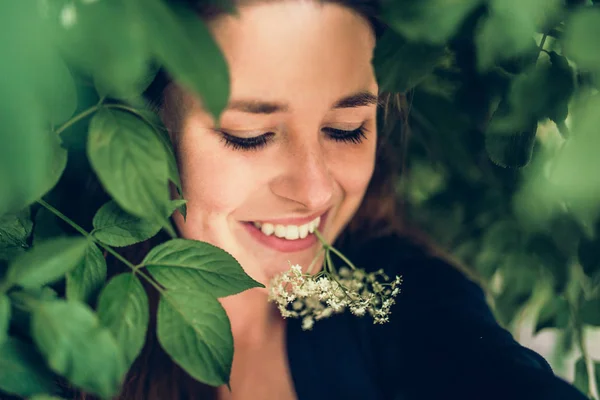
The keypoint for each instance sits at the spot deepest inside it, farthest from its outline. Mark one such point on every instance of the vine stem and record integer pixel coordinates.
(77, 118)
(135, 269)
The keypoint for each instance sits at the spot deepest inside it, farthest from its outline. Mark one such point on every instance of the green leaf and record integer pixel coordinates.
(22, 370)
(184, 264)
(131, 163)
(194, 330)
(195, 57)
(580, 42)
(553, 314)
(589, 255)
(26, 111)
(433, 21)
(401, 65)
(85, 281)
(581, 381)
(14, 231)
(117, 58)
(4, 316)
(77, 347)
(590, 312)
(509, 142)
(123, 309)
(45, 397)
(543, 91)
(46, 262)
(509, 29)
(59, 93)
(115, 227)
(579, 153)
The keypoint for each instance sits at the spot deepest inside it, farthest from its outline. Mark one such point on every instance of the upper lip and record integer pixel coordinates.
(292, 221)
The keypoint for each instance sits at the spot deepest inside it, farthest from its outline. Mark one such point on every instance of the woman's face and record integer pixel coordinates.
(302, 88)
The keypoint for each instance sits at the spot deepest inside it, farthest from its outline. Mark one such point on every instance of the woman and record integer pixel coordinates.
(299, 143)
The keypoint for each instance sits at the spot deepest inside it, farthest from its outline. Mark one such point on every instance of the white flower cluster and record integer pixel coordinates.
(314, 297)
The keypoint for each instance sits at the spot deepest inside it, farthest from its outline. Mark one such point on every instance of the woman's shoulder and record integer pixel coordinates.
(443, 331)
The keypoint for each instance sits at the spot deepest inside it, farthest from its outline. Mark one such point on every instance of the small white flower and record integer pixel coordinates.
(68, 15)
(307, 323)
(314, 297)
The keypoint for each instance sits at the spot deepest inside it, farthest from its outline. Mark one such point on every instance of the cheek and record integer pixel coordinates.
(353, 170)
(211, 184)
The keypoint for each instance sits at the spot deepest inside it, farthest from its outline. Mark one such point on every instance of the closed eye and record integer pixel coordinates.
(355, 136)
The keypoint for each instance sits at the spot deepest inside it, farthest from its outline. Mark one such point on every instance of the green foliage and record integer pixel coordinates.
(45, 263)
(195, 331)
(22, 370)
(85, 281)
(14, 231)
(123, 309)
(131, 163)
(182, 264)
(77, 346)
(4, 316)
(115, 227)
(582, 376)
(501, 171)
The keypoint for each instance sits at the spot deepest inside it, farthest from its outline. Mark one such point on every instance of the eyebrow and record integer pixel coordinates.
(252, 106)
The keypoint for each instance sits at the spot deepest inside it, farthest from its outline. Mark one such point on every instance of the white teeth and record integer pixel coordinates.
(292, 233)
(303, 231)
(288, 232)
(280, 231)
(268, 229)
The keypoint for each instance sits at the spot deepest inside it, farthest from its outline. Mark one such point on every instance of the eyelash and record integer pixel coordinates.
(355, 136)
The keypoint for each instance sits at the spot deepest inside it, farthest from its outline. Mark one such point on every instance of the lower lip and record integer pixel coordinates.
(284, 245)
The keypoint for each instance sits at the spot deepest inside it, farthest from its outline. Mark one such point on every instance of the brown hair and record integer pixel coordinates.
(154, 376)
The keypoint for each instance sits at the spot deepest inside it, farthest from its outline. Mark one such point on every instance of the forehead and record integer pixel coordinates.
(297, 51)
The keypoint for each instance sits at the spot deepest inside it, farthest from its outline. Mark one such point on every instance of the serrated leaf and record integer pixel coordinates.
(554, 314)
(193, 328)
(590, 312)
(434, 21)
(184, 264)
(23, 371)
(116, 227)
(76, 346)
(195, 57)
(4, 316)
(46, 262)
(123, 309)
(401, 65)
(14, 232)
(131, 163)
(85, 281)
(509, 141)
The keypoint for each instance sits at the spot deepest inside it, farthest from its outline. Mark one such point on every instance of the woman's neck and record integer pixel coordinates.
(253, 319)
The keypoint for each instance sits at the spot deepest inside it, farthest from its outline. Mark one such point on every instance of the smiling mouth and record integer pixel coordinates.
(288, 232)
(287, 237)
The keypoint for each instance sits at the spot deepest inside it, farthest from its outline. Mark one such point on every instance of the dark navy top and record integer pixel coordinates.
(442, 342)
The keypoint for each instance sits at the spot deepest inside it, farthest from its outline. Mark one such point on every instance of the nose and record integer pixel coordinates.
(305, 177)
